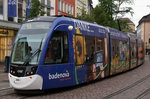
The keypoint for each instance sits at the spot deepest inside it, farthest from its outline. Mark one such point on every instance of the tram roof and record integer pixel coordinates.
(52, 18)
(114, 33)
(42, 18)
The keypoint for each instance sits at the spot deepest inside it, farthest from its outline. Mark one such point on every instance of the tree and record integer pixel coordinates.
(113, 7)
(122, 10)
(107, 13)
(86, 17)
(115, 10)
(36, 9)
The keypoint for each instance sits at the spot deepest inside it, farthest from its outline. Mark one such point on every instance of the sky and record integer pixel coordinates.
(140, 9)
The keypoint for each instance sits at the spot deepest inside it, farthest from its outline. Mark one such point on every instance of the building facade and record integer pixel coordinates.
(143, 31)
(8, 31)
(81, 5)
(65, 7)
(131, 25)
(49, 8)
(90, 7)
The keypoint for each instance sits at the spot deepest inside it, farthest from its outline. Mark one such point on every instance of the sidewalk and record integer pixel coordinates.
(4, 83)
(2, 66)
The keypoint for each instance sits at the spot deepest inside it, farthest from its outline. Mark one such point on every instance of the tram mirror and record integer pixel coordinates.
(70, 28)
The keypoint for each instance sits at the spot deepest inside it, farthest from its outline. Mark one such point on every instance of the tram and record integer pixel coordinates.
(52, 52)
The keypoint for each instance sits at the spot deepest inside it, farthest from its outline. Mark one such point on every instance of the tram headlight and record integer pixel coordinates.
(70, 28)
(32, 71)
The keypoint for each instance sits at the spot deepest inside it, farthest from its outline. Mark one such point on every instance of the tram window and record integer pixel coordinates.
(133, 51)
(115, 47)
(90, 48)
(123, 50)
(99, 44)
(100, 50)
(57, 52)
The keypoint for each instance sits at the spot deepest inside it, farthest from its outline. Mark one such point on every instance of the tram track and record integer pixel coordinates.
(4, 81)
(143, 94)
(129, 87)
(6, 92)
(7, 88)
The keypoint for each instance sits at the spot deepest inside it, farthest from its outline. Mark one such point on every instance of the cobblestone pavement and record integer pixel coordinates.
(130, 85)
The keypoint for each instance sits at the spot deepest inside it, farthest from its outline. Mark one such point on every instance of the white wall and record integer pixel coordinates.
(5, 15)
(53, 2)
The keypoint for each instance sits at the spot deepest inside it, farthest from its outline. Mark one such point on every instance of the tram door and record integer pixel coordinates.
(95, 57)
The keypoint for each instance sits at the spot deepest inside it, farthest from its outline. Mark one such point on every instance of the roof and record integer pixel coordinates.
(126, 19)
(145, 19)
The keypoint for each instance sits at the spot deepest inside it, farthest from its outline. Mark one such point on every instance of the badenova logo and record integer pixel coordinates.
(59, 75)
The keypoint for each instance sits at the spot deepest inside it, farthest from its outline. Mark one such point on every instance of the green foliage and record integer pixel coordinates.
(36, 9)
(107, 13)
(85, 17)
(124, 26)
(102, 17)
(108, 6)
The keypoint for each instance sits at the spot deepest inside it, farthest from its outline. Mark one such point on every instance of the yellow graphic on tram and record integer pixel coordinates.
(79, 48)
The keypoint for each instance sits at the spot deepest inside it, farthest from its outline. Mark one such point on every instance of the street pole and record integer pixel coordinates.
(146, 47)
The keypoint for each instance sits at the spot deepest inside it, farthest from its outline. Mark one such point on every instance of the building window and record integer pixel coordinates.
(69, 9)
(43, 1)
(48, 11)
(19, 20)
(20, 10)
(10, 19)
(149, 40)
(59, 5)
(48, 2)
(66, 6)
(1, 6)
(63, 8)
(72, 10)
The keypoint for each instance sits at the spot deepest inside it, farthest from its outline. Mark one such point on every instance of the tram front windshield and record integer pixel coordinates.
(29, 42)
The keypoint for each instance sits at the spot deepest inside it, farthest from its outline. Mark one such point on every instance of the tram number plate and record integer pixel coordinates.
(17, 79)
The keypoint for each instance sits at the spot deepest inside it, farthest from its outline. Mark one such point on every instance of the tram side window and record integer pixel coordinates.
(115, 48)
(90, 48)
(57, 52)
(100, 50)
(133, 51)
(99, 44)
(123, 50)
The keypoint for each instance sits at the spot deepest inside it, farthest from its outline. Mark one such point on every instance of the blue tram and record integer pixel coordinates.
(52, 52)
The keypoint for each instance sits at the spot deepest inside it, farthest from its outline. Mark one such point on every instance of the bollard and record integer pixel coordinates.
(7, 61)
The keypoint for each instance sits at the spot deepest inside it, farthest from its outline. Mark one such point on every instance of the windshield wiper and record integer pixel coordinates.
(34, 53)
(28, 59)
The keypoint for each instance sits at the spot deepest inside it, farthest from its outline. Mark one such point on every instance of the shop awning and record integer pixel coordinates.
(9, 24)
